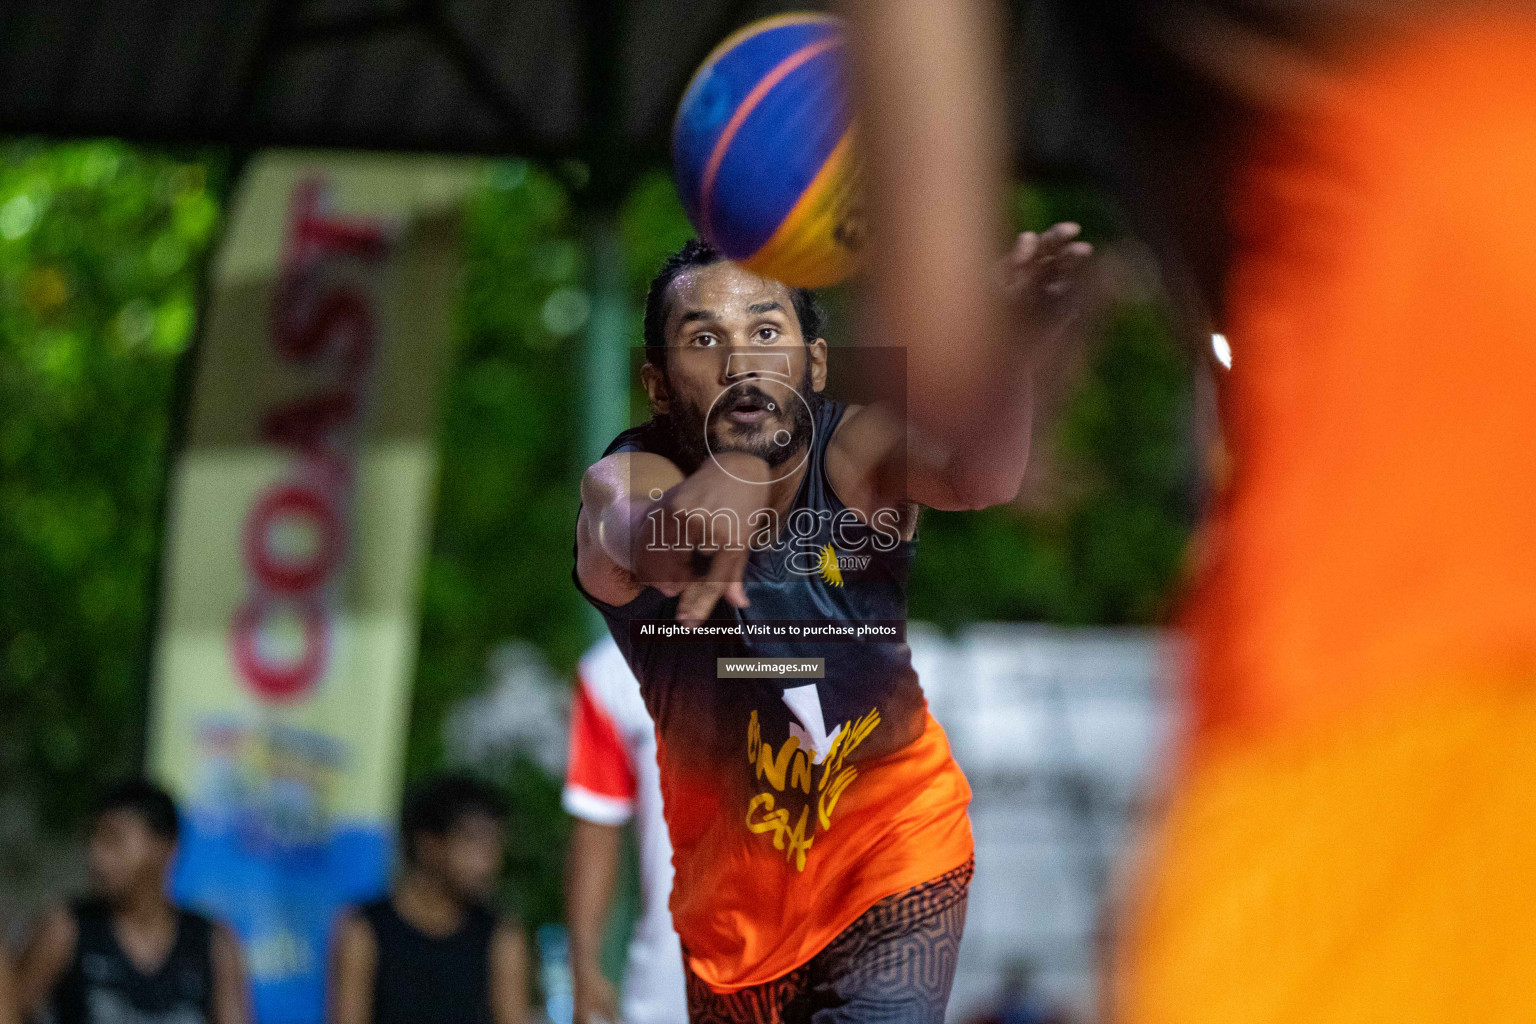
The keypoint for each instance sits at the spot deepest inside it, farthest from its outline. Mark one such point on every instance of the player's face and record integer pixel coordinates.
(467, 858)
(740, 376)
(124, 853)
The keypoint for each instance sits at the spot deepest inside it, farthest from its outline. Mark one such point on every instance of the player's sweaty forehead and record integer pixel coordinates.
(726, 297)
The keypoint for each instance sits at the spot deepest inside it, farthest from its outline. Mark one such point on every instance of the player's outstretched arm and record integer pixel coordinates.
(616, 497)
(627, 497)
(878, 457)
(929, 90)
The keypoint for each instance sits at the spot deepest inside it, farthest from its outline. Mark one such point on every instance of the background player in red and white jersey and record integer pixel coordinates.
(611, 780)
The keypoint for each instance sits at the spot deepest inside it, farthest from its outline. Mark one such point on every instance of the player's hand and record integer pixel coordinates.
(708, 520)
(595, 998)
(1045, 279)
(723, 580)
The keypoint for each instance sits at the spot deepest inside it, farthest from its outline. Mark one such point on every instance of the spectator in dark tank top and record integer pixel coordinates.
(127, 954)
(432, 951)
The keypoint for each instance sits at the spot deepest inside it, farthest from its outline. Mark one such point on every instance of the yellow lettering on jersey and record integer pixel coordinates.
(776, 768)
(793, 767)
(794, 842)
(830, 795)
(800, 772)
(771, 821)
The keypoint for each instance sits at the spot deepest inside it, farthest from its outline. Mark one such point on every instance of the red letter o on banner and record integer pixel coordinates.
(279, 682)
(286, 578)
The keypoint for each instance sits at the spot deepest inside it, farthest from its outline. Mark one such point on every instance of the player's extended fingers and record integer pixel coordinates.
(1012, 271)
(1058, 236)
(698, 600)
(729, 568)
(1067, 267)
(1076, 253)
(1035, 259)
(673, 573)
(723, 581)
(1024, 247)
(1053, 243)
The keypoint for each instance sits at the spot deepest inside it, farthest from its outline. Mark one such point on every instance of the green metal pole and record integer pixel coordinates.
(605, 349)
(605, 368)
(605, 356)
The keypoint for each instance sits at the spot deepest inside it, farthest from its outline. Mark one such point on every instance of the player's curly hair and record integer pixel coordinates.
(698, 253)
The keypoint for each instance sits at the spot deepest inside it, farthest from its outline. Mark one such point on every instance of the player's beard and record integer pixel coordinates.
(690, 429)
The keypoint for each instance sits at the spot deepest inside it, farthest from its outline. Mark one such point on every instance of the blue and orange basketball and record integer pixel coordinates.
(762, 151)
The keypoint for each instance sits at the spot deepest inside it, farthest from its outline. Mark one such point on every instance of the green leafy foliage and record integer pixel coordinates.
(100, 248)
(501, 552)
(500, 561)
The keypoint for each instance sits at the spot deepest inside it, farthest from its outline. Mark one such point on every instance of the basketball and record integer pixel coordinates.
(762, 151)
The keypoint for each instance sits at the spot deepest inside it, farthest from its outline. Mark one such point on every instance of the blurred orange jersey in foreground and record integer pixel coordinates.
(1350, 836)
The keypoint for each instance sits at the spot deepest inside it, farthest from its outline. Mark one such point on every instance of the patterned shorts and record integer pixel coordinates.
(894, 965)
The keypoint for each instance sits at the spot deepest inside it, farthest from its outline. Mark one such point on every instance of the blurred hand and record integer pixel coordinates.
(596, 1000)
(1045, 279)
(706, 561)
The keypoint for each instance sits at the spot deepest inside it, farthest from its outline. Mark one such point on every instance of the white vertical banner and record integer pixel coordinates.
(299, 516)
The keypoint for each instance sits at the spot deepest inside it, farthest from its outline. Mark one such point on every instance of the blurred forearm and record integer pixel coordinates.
(928, 79)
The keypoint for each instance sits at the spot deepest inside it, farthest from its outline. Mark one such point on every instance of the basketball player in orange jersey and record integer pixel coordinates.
(821, 844)
(1349, 836)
